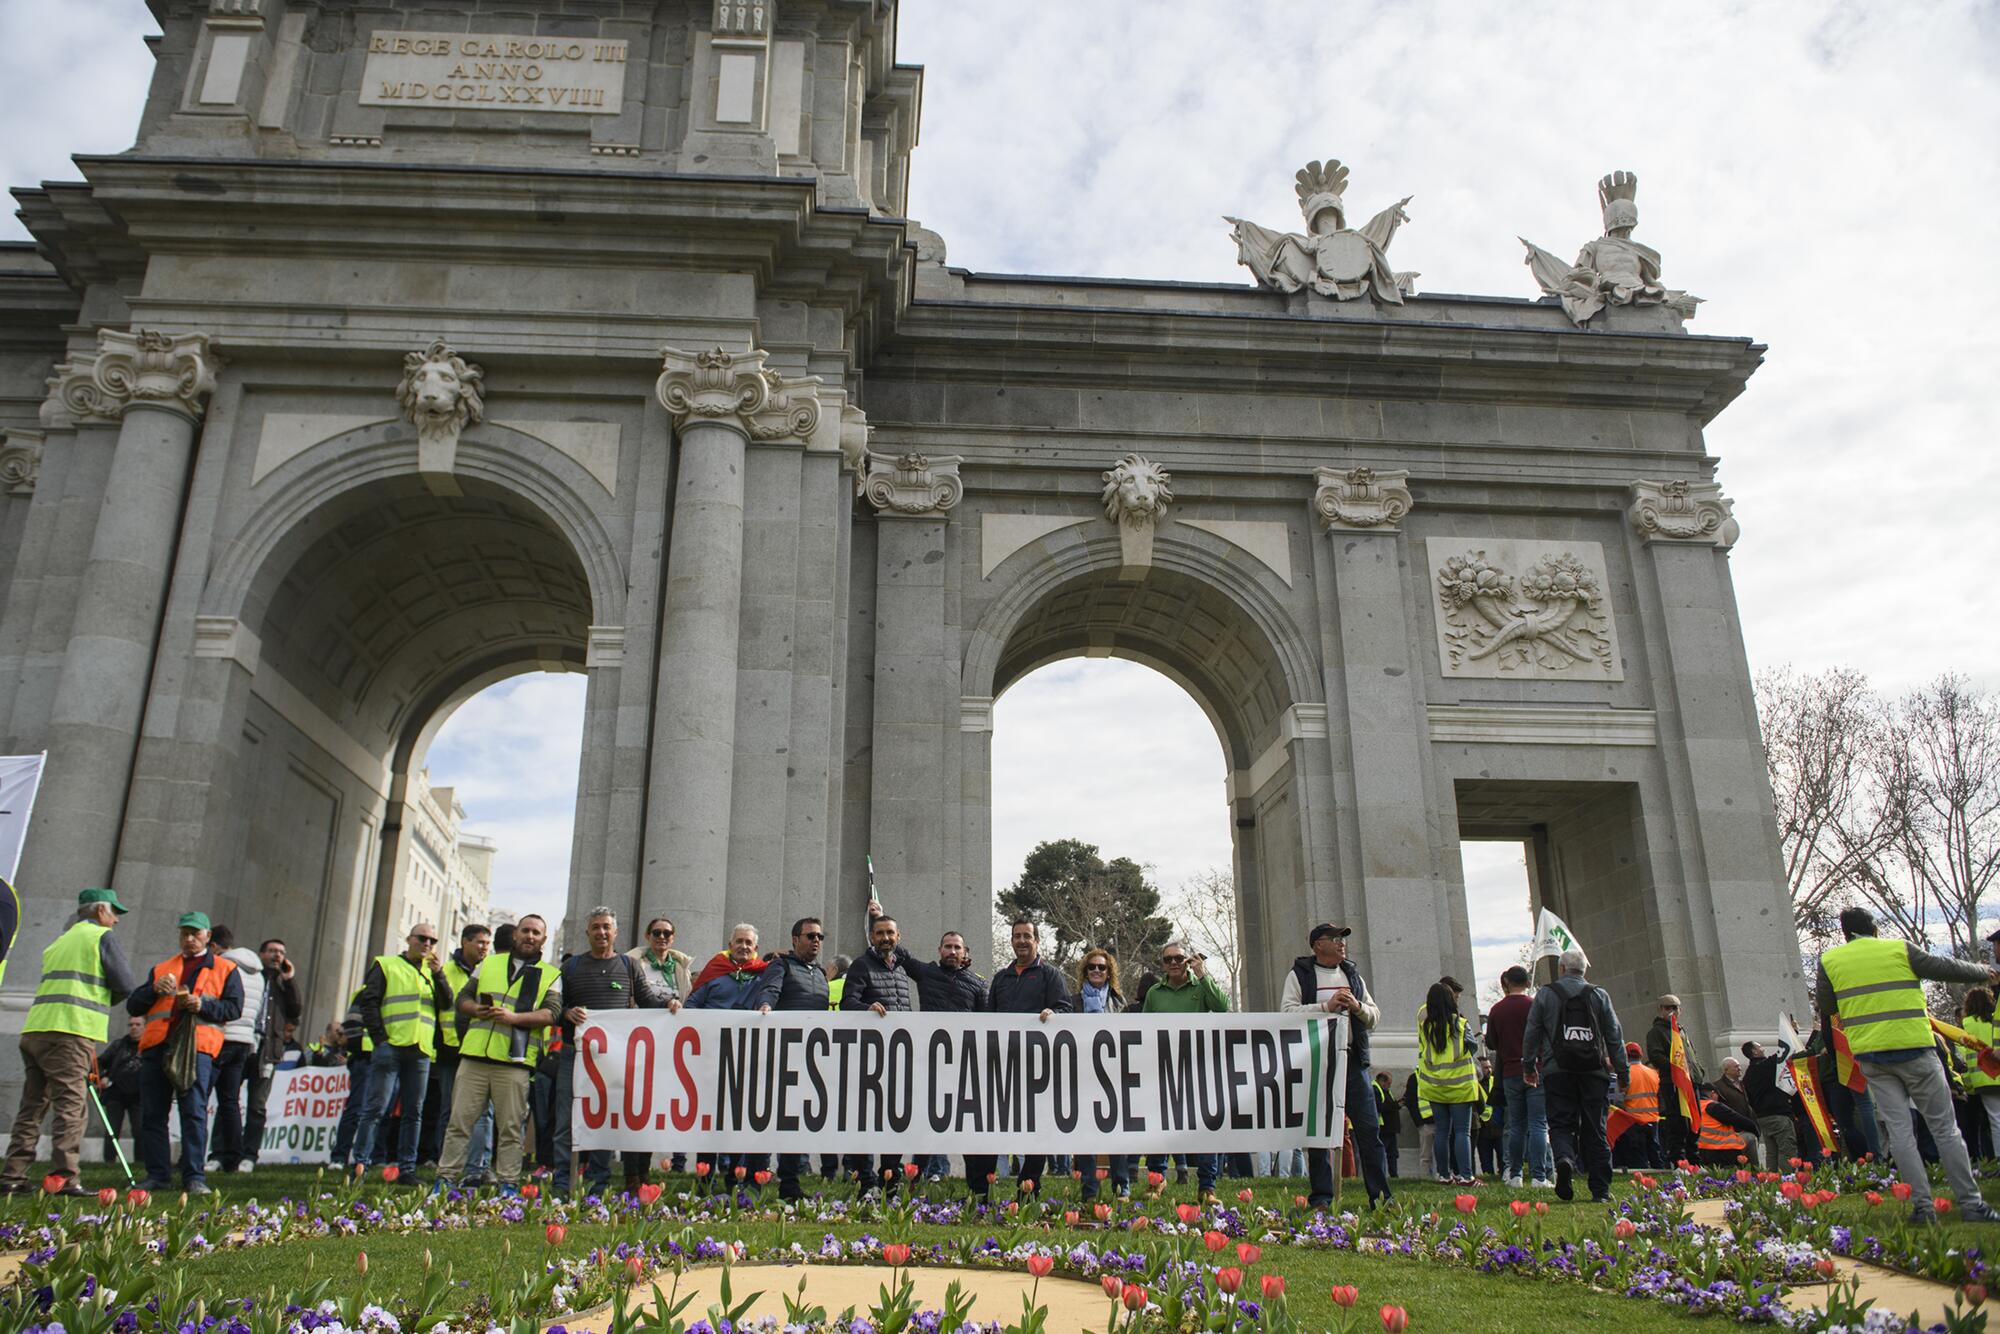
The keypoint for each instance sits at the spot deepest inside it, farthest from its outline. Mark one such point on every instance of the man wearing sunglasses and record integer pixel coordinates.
(794, 981)
(1187, 988)
(1675, 1140)
(400, 1000)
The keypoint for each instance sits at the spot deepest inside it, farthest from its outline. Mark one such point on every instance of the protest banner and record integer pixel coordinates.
(810, 1082)
(302, 1114)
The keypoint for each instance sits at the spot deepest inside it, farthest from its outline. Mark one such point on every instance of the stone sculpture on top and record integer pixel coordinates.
(1332, 259)
(1613, 270)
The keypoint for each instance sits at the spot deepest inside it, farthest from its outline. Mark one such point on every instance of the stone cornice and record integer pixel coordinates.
(914, 485)
(1361, 499)
(1683, 511)
(136, 368)
(736, 390)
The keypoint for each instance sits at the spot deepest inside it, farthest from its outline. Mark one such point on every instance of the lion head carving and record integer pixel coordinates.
(1136, 490)
(440, 392)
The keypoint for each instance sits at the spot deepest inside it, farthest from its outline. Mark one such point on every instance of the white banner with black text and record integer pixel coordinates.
(737, 1081)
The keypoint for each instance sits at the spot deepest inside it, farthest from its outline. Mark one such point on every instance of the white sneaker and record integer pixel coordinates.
(245, 1167)
(1514, 1181)
(1542, 1183)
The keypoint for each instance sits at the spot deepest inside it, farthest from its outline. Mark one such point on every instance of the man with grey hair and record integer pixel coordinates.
(598, 979)
(1572, 1048)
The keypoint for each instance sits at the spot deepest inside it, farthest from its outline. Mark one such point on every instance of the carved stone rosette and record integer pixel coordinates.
(735, 389)
(1361, 499)
(140, 366)
(914, 484)
(20, 460)
(1683, 511)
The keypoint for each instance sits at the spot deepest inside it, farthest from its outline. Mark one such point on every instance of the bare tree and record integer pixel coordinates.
(1208, 915)
(1943, 782)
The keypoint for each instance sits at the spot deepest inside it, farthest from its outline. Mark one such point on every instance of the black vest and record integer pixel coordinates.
(1306, 970)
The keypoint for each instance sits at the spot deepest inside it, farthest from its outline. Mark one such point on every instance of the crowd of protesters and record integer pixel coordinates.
(462, 1057)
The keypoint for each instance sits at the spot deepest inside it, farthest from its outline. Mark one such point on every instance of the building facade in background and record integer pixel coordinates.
(414, 346)
(447, 874)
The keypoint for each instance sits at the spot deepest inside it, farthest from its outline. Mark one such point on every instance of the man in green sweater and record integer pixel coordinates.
(1188, 989)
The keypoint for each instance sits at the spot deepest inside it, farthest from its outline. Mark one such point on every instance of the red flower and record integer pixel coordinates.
(555, 1232)
(1071, 1217)
(1215, 1241)
(1344, 1295)
(107, 1196)
(1796, 1162)
(649, 1192)
(910, 1170)
(1247, 1253)
(1874, 1197)
(1541, 1206)
(54, 1182)
(1975, 1293)
(635, 1269)
(138, 1199)
(1189, 1214)
(1113, 1285)
(1245, 1196)
(1824, 1266)
(895, 1255)
(1040, 1265)
(992, 1177)
(1520, 1208)
(1744, 1178)
(1076, 1174)
(1395, 1319)
(1273, 1285)
(361, 1263)
(1624, 1229)
(1229, 1280)
(1027, 1185)
(1103, 1173)
(1156, 1179)
(1103, 1211)
(391, 1172)
(1790, 1190)
(530, 1190)
(1901, 1190)
(1134, 1297)
(703, 1169)
(1465, 1203)
(762, 1178)
(1299, 1201)
(1941, 1204)
(741, 1171)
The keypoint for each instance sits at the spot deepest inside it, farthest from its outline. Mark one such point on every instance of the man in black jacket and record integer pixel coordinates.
(794, 981)
(879, 981)
(1771, 1104)
(282, 1006)
(948, 986)
(118, 1087)
(1029, 987)
(1574, 1048)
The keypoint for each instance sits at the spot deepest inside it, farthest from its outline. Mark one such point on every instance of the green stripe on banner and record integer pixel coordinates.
(1312, 1088)
(1332, 1069)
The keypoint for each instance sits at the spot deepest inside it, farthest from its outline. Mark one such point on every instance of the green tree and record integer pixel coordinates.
(1082, 900)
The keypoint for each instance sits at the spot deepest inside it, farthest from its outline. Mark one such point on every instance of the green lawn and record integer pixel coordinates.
(1439, 1295)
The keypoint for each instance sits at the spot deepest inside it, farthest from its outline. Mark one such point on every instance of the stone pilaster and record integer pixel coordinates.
(914, 774)
(1374, 685)
(156, 387)
(720, 402)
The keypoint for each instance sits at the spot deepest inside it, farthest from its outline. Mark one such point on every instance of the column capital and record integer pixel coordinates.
(736, 390)
(1361, 499)
(914, 484)
(138, 367)
(20, 460)
(1696, 513)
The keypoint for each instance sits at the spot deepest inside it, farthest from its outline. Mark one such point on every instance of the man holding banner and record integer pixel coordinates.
(1327, 980)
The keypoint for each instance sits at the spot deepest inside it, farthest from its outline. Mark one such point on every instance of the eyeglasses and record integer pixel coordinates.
(425, 940)
(813, 935)
(1097, 968)
(1173, 958)
(661, 935)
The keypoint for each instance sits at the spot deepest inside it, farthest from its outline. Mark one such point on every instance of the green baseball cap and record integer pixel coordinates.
(197, 920)
(110, 896)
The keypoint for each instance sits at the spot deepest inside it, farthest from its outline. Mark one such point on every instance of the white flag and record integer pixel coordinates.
(1788, 1033)
(20, 776)
(1552, 938)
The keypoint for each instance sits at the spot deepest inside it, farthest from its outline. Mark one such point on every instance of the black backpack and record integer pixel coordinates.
(1579, 1047)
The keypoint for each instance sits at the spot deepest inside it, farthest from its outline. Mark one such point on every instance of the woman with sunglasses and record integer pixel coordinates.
(1097, 993)
(664, 972)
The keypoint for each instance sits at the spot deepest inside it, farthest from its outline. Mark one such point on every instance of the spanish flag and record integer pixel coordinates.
(1844, 1067)
(1683, 1080)
(1806, 1076)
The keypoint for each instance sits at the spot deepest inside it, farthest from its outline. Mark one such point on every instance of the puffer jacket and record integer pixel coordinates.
(790, 983)
(869, 981)
(249, 967)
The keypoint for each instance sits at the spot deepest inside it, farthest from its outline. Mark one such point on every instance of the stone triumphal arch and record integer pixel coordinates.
(386, 364)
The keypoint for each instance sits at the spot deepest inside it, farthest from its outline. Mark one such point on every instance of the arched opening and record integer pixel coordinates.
(379, 615)
(1186, 628)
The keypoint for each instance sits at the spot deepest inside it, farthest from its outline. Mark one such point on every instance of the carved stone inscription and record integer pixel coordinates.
(494, 72)
(1515, 609)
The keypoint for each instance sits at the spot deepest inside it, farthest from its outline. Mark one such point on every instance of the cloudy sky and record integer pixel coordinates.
(1821, 173)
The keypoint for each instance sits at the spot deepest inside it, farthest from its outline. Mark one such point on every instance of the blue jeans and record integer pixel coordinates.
(1119, 1165)
(1527, 1130)
(156, 1099)
(392, 1070)
(350, 1115)
(1451, 1139)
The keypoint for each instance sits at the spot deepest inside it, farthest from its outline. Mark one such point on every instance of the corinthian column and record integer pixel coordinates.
(720, 401)
(155, 386)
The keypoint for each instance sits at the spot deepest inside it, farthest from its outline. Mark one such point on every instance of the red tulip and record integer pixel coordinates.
(1809, 1202)
(138, 1199)
(1247, 1253)
(1027, 1185)
(1975, 1293)
(1744, 1178)
(107, 1196)
(1113, 1285)
(1273, 1285)
(1344, 1295)
(635, 1269)
(1071, 1217)
(1624, 1229)
(762, 1178)
(1103, 1211)
(1103, 1174)
(1229, 1280)
(895, 1255)
(555, 1232)
(1901, 1190)
(703, 1169)
(1134, 1297)
(391, 1172)
(1941, 1204)
(1040, 1265)
(1795, 1162)
(1189, 1214)
(1465, 1203)
(1395, 1319)
(361, 1263)
(992, 1177)
(54, 1182)
(1076, 1174)
(1299, 1201)
(1155, 1179)
(1790, 1190)
(1245, 1196)
(1520, 1208)
(1541, 1206)
(911, 1170)
(741, 1171)
(649, 1192)
(1215, 1241)
(1874, 1198)
(1824, 1267)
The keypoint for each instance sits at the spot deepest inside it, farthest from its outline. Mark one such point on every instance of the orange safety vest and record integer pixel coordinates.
(1642, 1097)
(1717, 1137)
(166, 980)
